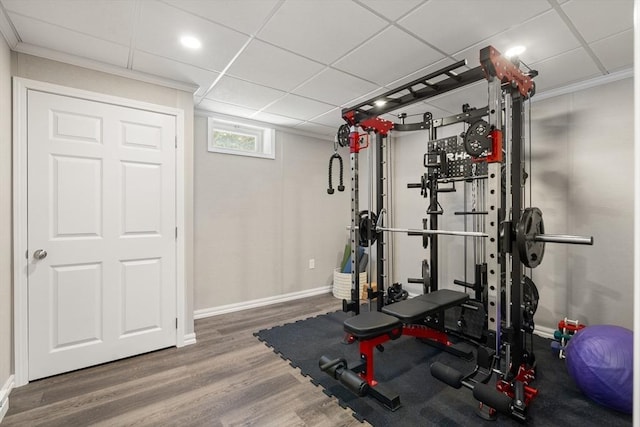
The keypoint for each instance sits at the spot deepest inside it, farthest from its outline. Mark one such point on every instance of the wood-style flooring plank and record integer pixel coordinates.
(228, 378)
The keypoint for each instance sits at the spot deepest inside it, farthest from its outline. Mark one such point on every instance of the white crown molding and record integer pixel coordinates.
(91, 64)
(7, 30)
(586, 84)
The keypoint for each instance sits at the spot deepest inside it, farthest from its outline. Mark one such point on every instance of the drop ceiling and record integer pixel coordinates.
(296, 63)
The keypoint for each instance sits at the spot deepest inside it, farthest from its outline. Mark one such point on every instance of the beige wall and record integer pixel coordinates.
(259, 221)
(45, 70)
(582, 181)
(6, 294)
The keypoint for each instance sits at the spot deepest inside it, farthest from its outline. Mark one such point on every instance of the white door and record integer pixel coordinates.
(101, 203)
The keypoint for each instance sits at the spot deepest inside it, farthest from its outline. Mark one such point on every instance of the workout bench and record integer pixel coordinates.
(372, 329)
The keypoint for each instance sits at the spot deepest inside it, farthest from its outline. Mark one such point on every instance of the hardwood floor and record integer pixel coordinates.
(227, 378)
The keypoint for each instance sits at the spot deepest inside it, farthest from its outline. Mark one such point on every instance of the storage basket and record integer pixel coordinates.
(342, 283)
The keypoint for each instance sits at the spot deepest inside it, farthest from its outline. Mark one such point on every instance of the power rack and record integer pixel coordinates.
(512, 236)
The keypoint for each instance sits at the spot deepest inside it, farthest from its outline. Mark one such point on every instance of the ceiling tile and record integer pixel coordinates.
(163, 67)
(335, 87)
(615, 52)
(240, 92)
(275, 119)
(298, 107)
(564, 69)
(161, 26)
(390, 10)
(107, 19)
(544, 37)
(328, 28)
(474, 20)
(597, 19)
(390, 55)
(267, 65)
(232, 13)
(60, 39)
(332, 119)
(222, 108)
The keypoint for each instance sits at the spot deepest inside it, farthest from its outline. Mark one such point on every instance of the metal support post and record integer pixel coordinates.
(354, 140)
(493, 196)
(433, 218)
(380, 245)
(517, 343)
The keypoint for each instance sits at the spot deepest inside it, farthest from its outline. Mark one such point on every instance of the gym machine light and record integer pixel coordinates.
(513, 236)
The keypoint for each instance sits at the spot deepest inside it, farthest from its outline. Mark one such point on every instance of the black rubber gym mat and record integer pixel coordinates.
(404, 367)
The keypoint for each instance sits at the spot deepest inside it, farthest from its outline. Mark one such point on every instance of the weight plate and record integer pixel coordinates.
(425, 237)
(530, 298)
(477, 140)
(426, 277)
(367, 228)
(343, 135)
(530, 224)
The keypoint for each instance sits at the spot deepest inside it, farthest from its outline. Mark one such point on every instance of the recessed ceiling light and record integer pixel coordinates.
(380, 102)
(514, 51)
(190, 42)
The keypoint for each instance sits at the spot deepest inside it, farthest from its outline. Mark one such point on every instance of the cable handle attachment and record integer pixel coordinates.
(335, 155)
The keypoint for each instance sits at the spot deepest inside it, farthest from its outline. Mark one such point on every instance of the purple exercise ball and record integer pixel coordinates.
(600, 361)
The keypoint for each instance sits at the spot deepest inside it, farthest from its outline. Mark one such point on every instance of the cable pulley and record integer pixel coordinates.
(343, 135)
(477, 140)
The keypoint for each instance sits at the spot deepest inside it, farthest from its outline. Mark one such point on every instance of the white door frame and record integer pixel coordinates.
(20, 261)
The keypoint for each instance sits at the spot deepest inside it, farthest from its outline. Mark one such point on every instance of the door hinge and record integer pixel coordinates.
(176, 323)
(176, 233)
(176, 141)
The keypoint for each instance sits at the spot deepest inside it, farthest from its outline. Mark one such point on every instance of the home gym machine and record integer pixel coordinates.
(510, 236)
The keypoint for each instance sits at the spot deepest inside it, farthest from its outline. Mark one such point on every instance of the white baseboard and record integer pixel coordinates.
(189, 339)
(4, 396)
(230, 308)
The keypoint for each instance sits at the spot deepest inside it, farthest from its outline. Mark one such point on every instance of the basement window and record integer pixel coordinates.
(240, 139)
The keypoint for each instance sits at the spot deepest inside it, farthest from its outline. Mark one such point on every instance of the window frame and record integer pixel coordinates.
(265, 138)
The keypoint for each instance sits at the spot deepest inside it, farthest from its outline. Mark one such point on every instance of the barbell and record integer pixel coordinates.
(531, 240)
(530, 237)
(417, 231)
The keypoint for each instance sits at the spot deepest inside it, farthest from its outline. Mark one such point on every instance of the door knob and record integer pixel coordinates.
(40, 254)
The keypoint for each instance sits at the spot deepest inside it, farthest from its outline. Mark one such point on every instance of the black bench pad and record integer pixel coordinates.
(410, 310)
(370, 324)
(415, 309)
(444, 298)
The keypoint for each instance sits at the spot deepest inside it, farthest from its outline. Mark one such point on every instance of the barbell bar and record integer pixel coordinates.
(562, 238)
(421, 231)
(530, 238)
(547, 238)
